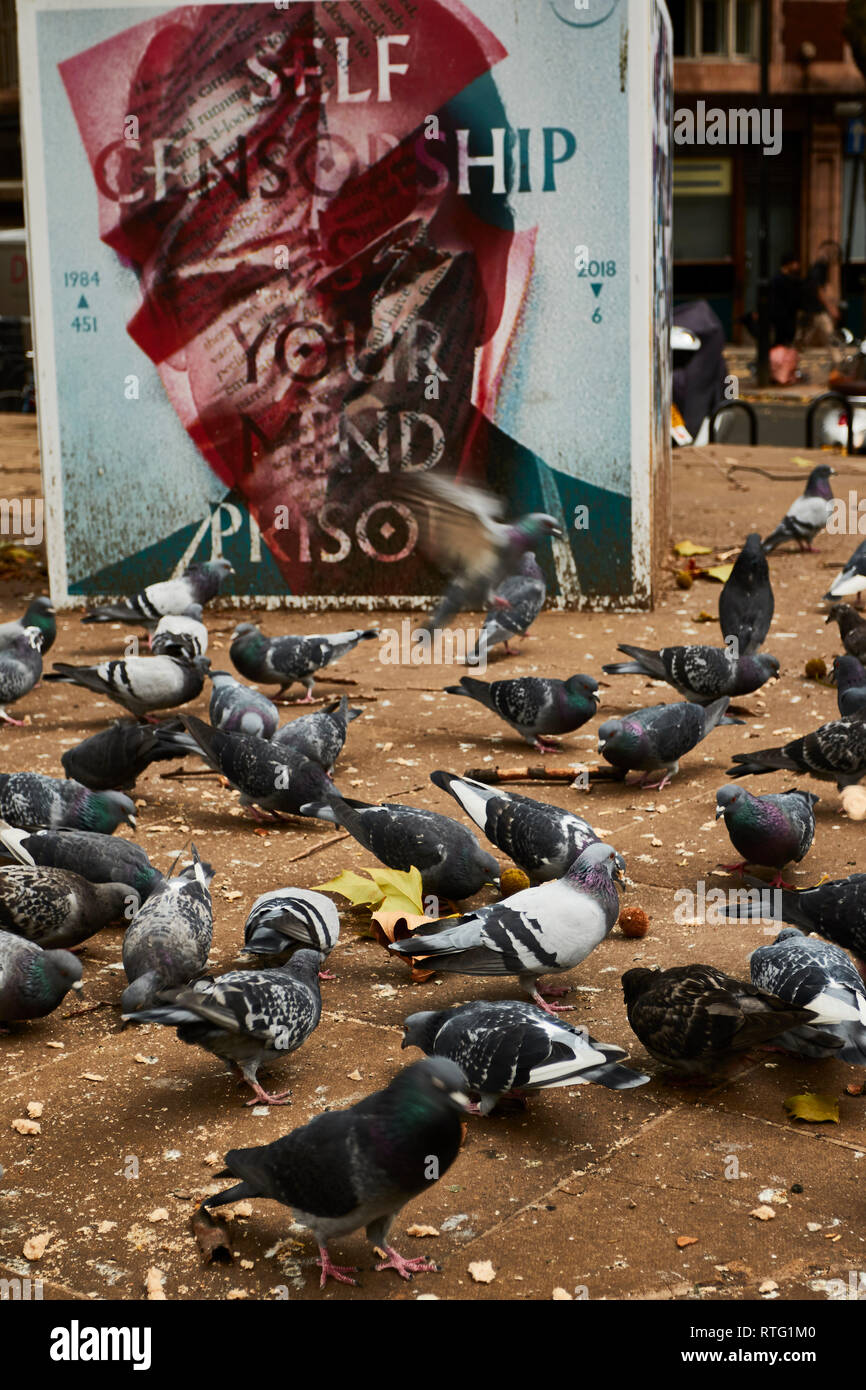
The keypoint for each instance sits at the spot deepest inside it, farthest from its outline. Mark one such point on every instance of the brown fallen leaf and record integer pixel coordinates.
(397, 926)
(211, 1237)
(683, 1241)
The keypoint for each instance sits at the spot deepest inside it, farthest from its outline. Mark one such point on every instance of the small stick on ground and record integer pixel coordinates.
(496, 777)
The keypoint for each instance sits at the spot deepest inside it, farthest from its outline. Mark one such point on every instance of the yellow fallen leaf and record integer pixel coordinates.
(352, 886)
(801, 462)
(720, 572)
(705, 617)
(689, 548)
(401, 890)
(816, 1109)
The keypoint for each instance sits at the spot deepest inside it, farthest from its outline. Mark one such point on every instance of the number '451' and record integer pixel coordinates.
(84, 323)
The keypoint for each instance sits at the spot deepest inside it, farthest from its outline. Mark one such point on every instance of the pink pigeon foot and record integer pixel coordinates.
(331, 1271)
(19, 723)
(263, 1097)
(327, 975)
(550, 1008)
(406, 1268)
(541, 747)
(508, 651)
(779, 882)
(735, 868)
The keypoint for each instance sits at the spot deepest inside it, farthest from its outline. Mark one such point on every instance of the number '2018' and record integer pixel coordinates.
(597, 269)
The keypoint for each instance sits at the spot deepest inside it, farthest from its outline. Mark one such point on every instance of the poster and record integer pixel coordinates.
(284, 252)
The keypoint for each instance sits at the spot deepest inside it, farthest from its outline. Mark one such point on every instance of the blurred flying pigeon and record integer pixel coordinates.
(535, 708)
(461, 531)
(808, 515)
(834, 753)
(118, 755)
(287, 917)
(20, 669)
(32, 801)
(540, 931)
(835, 910)
(701, 674)
(140, 683)
(169, 938)
(850, 681)
(279, 780)
(360, 1166)
(287, 660)
(239, 709)
(247, 1018)
(852, 629)
(98, 858)
(180, 634)
(320, 736)
(450, 860)
(40, 613)
(695, 1018)
(852, 579)
(815, 975)
(772, 830)
(653, 740)
(542, 839)
(505, 1045)
(198, 584)
(33, 981)
(523, 595)
(746, 603)
(56, 907)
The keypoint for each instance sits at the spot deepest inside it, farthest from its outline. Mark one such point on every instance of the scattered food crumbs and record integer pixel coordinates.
(153, 1283)
(763, 1214)
(422, 1231)
(35, 1246)
(482, 1272)
(34, 1109)
(158, 1214)
(27, 1126)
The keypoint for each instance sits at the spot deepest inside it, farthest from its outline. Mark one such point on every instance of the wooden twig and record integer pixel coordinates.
(314, 849)
(494, 777)
(181, 775)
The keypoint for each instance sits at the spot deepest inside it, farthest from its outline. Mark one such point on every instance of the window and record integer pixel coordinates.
(723, 29)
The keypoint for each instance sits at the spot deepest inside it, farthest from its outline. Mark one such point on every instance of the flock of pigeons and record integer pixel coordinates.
(71, 877)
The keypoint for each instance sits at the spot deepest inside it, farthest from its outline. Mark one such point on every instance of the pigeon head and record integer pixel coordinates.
(60, 970)
(536, 527)
(194, 610)
(583, 687)
(819, 481)
(608, 730)
(598, 858)
(221, 568)
(433, 1083)
(840, 612)
(637, 982)
(848, 672)
(420, 1029)
(140, 993)
(121, 902)
(40, 613)
(730, 796)
(108, 809)
(788, 934)
(768, 665)
(305, 964)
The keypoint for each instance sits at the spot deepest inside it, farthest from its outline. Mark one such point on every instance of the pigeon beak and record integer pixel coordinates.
(720, 811)
(78, 987)
(460, 1099)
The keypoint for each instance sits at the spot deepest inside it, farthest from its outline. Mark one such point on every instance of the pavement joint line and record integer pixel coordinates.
(804, 1133)
(65, 1289)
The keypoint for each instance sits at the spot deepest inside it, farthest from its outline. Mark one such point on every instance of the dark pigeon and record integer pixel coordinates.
(97, 857)
(701, 674)
(239, 709)
(852, 579)
(288, 917)
(59, 908)
(198, 584)
(116, 757)
(535, 708)
(277, 779)
(32, 981)
(519, 600)
(20, 670)
(653, 740)
(852, 629)
(168, 940)
(32, 801)
(320, 736)
(815, 975)
(140, 684)
(834, 753)
(835, 910)
(808, 515)
(286, 661)
(772, 830)
(746, 603)
(849, 677)
(40, 614)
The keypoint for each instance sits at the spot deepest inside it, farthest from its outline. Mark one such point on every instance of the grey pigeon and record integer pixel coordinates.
(32, 801)
(97, 857)
(59, 908)
(168, 940)
(835, 910)
(320, 736)
(535, 708)
(772, 830)
(695, 1018)
(360, 1166)
(20, 670)
(180, 634)
(850, 681)
(286, 917)
(33, 981)
(653, 740)
(239, 709)
(290, 660)
(247, 1018)
(450, 860)
(117, 756)
(808, 515)
(746, 603)
(815, 975)
(279, 780)
(834, 753)
(506, 1045)
(852, 629)
(40, 613)
(542, 839)
(701, 674)
(140, 684)
(519, 600)
(540, 931)
(852, 579)
(199, 583)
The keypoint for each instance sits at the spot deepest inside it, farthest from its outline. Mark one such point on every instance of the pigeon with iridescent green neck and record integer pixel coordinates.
(40, 613)
(33, 981)
(535, 708)
(772, 830)
(32, 801)
(652, 741)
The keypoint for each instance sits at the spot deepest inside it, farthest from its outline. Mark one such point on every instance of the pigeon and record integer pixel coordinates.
(746, 603)
(450, 860)
(695, 1018)
(40, 614)
(852, 579)
(98, 858)
(852, 629)
(772, 830)
(850, 680)
(287, 660)
(320, 736)
(239, 709)
(360, 1166)
(20, 670)
(180, 634)
(460, 528)
(834, 753)
(32, 801)
(169, 938)
(701, 674)
(198, 584)
(505, 1045)
(540, 931)
(139, 683)
(524, 596)
(247, 1018)
(279, 780)
(59, 908)
(835, 910)
(535, 708)
(808, 515)
(542, 839)
(33, 981)
(286, 917)
(815, 975)
(117, 756)
(653, 740)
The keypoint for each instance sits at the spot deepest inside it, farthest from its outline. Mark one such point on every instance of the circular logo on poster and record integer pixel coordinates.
(584, 14)
(387, 531)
